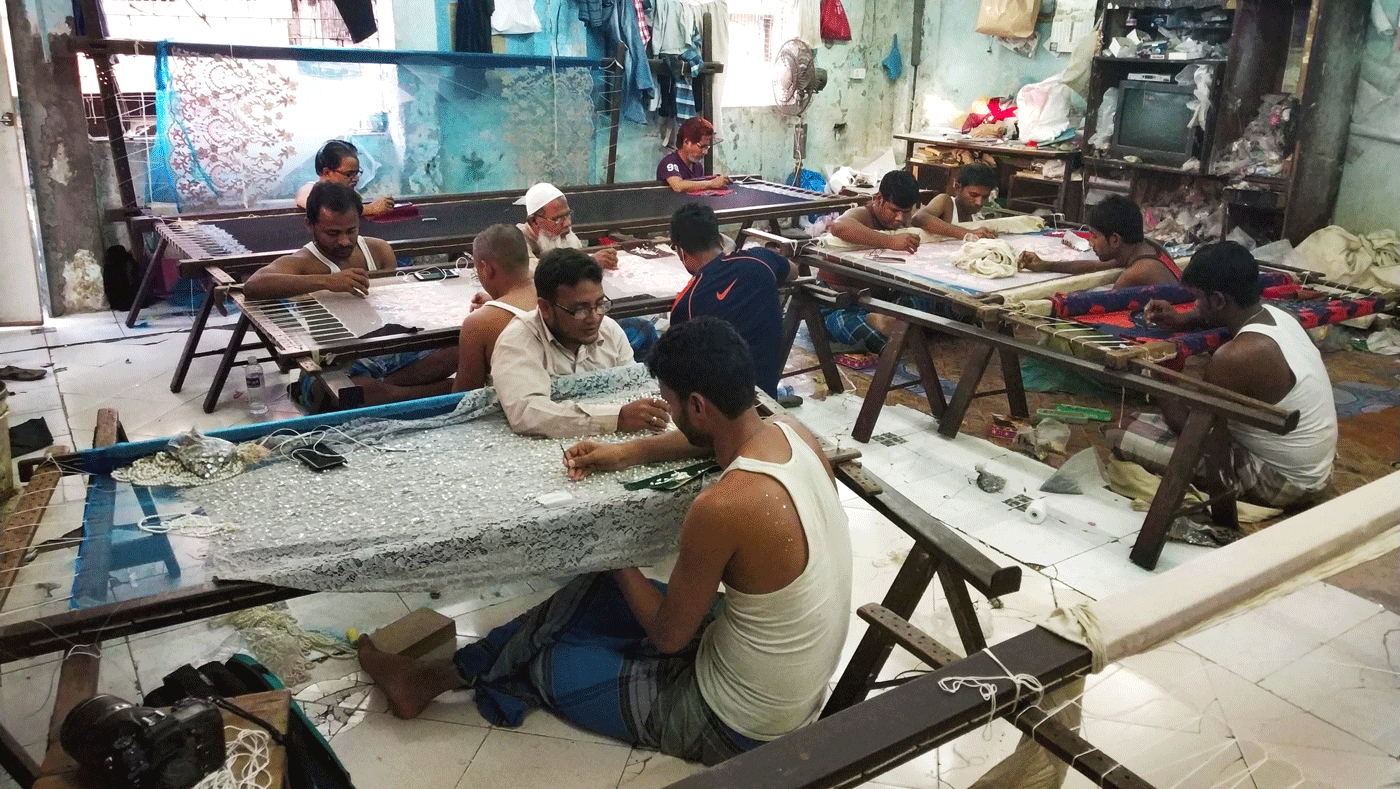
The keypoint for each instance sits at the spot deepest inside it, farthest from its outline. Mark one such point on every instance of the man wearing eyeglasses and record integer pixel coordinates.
(549, 225)
(684, 168)
(569, 332)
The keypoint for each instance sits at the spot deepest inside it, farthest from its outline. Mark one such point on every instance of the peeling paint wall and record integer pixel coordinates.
(1367, 201)
(60, 158)
(961, 66)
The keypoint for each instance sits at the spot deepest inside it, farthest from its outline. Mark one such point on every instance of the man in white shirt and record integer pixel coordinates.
(549, 225)
(569, 332)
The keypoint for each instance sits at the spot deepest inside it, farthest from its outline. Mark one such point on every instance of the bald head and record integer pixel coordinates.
(504, 246)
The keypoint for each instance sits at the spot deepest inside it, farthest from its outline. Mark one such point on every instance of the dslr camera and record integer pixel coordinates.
(131, 747)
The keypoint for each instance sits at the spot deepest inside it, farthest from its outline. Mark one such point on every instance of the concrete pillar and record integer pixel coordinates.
(60, 155)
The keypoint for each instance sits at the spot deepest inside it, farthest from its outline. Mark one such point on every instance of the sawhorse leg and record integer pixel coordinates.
(1181, 469)
(801, 308)
(147, 281)
(182, 368)
(226, 362)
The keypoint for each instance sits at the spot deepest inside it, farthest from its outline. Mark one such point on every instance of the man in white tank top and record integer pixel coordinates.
(1269, 358)
(338, 259)
(678, 667)
(502, 263)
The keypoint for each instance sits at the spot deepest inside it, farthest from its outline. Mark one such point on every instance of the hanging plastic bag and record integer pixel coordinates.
(835, 26)
(1108, 119)
(1009, 18)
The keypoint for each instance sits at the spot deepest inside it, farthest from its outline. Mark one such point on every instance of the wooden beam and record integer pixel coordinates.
(23, 521)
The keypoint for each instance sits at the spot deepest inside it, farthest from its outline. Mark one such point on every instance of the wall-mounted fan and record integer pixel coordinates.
(796, 80)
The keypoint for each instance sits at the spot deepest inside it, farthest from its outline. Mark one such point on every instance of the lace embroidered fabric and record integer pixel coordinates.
(440, 503)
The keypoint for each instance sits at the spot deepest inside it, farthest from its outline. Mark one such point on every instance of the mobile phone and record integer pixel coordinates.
(318, 457)
(429, 274)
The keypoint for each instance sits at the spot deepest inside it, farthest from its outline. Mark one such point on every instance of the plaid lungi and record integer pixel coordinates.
(583, 654)
(851, 327)
(1148, 441)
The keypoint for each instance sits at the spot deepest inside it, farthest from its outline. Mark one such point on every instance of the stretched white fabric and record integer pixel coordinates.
(1264, 566)
(1001, 224)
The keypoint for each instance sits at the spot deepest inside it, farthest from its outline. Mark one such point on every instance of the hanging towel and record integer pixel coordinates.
(893, 62)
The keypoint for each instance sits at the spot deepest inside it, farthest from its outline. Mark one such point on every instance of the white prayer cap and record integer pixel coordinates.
(539, 196)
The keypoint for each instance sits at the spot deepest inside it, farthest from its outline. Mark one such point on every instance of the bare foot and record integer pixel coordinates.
(409, 684)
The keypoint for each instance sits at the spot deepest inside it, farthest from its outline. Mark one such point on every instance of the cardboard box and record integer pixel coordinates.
(421, 634)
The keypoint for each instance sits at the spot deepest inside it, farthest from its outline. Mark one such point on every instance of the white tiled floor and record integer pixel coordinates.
(1300, 693)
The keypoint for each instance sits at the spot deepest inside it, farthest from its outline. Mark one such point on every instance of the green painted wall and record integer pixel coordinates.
(1367, 198)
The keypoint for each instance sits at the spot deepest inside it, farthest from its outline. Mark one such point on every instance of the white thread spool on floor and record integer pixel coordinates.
(1037, 511)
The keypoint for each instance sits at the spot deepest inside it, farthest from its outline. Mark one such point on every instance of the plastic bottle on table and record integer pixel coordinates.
(253, 381)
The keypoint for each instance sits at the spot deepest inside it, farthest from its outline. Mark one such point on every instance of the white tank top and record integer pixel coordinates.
(511, 308)
(364, 250)
(764, 663)
(1304, 456)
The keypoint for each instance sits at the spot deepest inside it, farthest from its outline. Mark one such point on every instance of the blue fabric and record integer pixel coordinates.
(637, 83)
(381, 367)
(893, 62)
(742, 288)
(852, 329)
(584, 655)
(641, 335)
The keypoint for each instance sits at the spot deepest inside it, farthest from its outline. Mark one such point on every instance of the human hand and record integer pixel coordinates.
(349, 280)
(479, 300)
(719, 182)
(1029, 261)
(984, 232)
(645, 414)
(904, 242)
(586, 457)
(607, 258)
(379, 206)
(1162, 314)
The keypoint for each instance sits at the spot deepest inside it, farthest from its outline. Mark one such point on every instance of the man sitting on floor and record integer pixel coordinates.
(741, 288)
(338, 259)
(502, 264)
(568, 332)
(1115, 234)
(676, 666)
(1270, 358)
(549, 225)
(944, 213)
(888, 210)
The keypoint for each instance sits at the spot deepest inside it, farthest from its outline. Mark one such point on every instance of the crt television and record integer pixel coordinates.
(1152, 118)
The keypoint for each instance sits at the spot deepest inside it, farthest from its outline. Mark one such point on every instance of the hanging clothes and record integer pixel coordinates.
(472, 31)
(637, 83)
(514, 18)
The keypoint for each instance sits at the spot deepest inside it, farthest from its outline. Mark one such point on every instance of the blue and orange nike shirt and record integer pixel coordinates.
(742, 288)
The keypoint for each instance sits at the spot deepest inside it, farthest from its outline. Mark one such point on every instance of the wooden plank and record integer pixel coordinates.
(1181, 470)
(847, 748)
(15, 760)
(23, 521)
(77, 681)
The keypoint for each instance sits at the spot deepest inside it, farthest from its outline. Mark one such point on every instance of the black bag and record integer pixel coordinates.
(121, 277)
(311, 764)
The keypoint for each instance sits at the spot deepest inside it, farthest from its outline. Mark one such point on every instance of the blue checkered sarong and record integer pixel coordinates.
(582, 654)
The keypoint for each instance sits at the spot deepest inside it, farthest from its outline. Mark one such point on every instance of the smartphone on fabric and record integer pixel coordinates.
(318, 457)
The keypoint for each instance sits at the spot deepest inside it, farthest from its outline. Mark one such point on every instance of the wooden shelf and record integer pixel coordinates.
(1158, 61)
(1158, 168)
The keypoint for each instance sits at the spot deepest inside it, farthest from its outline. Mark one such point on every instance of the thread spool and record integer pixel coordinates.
(1036, 511)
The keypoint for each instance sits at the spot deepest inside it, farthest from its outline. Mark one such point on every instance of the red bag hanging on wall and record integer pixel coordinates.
(835, 26)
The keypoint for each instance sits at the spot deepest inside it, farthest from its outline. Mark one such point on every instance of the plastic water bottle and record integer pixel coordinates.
(253, 382)
(785, 391)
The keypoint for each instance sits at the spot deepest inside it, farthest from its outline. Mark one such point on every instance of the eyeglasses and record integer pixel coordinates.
(582, 313)
(557, 219)
(350, 173)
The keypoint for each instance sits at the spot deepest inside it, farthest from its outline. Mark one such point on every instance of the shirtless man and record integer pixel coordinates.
(1115, 233)
(888, 210)
(941, 217)
(338, 259)
(1270, 358)
(339, 162)
(502, 265)
(684, 168)
(712, 675)
(549, 225)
